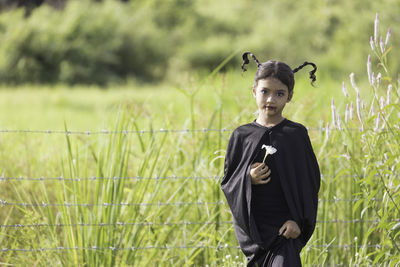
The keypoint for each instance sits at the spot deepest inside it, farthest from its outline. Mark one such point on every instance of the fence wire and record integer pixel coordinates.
(65, 204)
(172, 177)
(105, 132)
(161, 130)
(4, 203)
(167, 247)
(198, 203)
(167, 224)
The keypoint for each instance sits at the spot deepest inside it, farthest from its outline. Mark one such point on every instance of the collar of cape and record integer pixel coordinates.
(282, 122)
(278, 125)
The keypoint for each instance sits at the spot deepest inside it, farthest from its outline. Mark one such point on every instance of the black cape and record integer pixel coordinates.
(298, 171)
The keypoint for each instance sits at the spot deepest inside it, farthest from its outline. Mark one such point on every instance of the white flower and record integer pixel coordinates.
(268, 150)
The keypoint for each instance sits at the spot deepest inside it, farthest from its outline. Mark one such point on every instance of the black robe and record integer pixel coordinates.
(300, 180)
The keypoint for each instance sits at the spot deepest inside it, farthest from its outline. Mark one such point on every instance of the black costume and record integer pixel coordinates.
(295, 166)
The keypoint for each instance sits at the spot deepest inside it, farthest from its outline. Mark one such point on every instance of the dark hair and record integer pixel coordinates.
(278, 70)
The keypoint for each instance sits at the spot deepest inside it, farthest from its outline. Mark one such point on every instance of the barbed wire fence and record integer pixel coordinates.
(167, 247)
(196, 203)
(166, 224)
(170, 247)
(172, 177)
(162, 130)
(5, 203)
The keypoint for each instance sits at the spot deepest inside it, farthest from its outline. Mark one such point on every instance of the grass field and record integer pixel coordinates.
(104, 193)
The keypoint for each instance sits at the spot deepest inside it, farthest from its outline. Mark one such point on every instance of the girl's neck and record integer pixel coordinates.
(268, 122)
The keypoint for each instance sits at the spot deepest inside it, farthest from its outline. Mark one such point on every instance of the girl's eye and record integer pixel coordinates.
(281, 94)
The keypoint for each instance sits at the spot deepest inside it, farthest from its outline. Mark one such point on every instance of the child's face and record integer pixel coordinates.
(271, 97)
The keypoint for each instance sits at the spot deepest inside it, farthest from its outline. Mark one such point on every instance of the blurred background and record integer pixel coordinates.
(110, 41)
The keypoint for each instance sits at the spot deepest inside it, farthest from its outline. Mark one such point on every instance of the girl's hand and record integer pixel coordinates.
(290, 229)
(258, 172)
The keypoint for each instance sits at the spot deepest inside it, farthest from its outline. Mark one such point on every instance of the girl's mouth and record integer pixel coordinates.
(270, 108)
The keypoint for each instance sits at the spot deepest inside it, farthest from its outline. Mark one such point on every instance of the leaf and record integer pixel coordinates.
(378, 257)
(387, 51)
(363, 211)
(357, 204)
(395, 226)
(182, 91)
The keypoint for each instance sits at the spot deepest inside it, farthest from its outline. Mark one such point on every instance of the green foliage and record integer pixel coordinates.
(84, 43)
(112, 41)
(373, 158)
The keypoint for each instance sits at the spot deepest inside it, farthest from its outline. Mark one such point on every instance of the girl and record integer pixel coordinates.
(274, 198)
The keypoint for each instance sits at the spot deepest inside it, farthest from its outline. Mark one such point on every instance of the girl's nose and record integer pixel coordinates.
(270, 98)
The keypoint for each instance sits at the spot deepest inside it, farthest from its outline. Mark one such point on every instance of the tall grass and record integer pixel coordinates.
(358, 157)
(372, 155)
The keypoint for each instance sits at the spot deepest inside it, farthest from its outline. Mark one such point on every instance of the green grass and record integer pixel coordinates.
(222, 101)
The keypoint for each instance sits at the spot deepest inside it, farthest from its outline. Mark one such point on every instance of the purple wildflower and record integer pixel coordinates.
(344, 90)
(353, 82)
(389, 90)
(376, 28)
(382, 102)
(339, 122)
(327, 131)
(377, 120)
(387, 36)
(358, 103)
(372, 78)
(333, 109)
(371, 43)
(369, 68)
(351, 111)
(382, 45)
(378, 79)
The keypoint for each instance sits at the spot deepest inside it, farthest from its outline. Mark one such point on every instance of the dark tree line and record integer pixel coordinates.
(29, 5)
